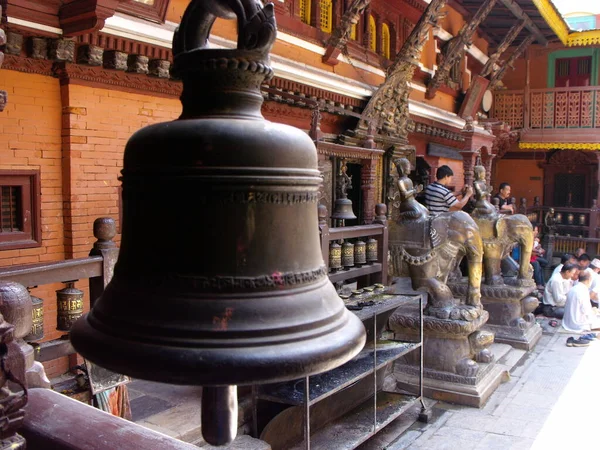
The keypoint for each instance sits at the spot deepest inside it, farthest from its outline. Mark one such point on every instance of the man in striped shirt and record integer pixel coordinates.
(439, 199)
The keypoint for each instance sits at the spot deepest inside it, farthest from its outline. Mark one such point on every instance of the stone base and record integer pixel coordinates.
(516, 337)
(453, 388)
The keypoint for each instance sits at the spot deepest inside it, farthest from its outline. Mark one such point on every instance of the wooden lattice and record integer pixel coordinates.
(537, 111)
(574, 109)
(549, 110)
(587, 109)
(560, 109)
(597, 111)
(326, 21)
(516, 113)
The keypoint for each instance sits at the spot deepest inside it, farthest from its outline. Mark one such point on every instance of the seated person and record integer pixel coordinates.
(578, 313)
(594, 270)
(580, 251)
(566, 258)
(584, 261)
(538, 262)
(555, 294)
(504, 199)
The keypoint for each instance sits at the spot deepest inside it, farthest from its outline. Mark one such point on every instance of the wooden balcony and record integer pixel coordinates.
(551, 115)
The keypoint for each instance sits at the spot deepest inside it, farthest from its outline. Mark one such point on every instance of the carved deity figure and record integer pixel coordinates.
(483, 207)
(344, 181)
(550, 221)
(410, 208)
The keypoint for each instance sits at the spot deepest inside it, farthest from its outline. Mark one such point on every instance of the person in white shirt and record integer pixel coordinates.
(579, 315)
(555, 294)
(593, 270)
(563, 260)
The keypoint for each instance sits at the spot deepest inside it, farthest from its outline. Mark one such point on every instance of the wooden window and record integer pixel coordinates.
(385, 40)
(305, 11)
(572, 72)
(153, 10)
(353, 34)
(326, 15)
(19, 209)
(372, 34)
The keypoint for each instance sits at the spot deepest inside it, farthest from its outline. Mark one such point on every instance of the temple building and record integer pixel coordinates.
(511, 85)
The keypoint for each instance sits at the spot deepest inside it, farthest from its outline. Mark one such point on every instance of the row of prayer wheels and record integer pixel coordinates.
(350, 254)
(69, 305)
(570, 219)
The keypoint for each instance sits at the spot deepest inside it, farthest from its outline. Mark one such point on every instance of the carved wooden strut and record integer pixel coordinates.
(388, 107)
(341, 34)
(454, 50)
(499, 74)
(508, 39)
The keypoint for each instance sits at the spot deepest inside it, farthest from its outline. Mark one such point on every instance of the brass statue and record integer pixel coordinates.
(500, 233)
(550, 222)
(431, 247)
(483, 207)
(344, 181)
(410, 208)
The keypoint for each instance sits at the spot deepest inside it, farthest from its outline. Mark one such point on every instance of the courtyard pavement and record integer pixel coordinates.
(549, 402)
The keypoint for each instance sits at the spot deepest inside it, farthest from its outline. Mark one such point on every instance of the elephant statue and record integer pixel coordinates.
(500, 233)
(431, 246)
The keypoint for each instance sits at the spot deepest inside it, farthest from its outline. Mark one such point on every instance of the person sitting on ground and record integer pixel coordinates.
(439, 199)
(584, 261)
(566, 258)
(594, 270)
(578, 314)
(537, 260)
(504, 199)
(555, 294)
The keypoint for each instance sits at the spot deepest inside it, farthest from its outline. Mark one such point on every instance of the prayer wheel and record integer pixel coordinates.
(37, 314)
(372, 250)
(570, 218)
(582, 219)
(360, 253)
(232, 288)
(335, 256)
(348, 254)
(69, 306)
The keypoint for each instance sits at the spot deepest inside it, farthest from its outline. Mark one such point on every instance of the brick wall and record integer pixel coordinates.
(75, 136)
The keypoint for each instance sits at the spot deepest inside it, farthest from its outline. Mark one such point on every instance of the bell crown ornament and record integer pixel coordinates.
(220, 279)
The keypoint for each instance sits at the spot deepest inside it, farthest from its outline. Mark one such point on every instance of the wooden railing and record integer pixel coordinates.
(98, 268)
(367, 273)
(551, 108)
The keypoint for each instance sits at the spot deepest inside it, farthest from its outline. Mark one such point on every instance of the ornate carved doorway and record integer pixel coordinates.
(570, 179)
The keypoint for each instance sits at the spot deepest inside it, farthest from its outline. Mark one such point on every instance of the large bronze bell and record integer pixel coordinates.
(220, 279)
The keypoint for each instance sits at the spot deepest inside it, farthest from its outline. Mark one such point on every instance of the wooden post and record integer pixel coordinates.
(383, 247)
(105, 230)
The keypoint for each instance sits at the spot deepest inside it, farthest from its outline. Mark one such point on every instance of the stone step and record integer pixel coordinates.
(507, 356)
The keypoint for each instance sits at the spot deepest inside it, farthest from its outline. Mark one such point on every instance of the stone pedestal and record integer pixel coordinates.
(510, 309)
(458, 366)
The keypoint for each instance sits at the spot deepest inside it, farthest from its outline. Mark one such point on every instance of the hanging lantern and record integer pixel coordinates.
(335, 256)
(348, 254)
(37, 314)
(372, 250)
(360, 253)
(231, 288)
(69, 306)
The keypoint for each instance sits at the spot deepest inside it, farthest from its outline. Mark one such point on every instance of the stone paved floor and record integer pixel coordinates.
(549, 403)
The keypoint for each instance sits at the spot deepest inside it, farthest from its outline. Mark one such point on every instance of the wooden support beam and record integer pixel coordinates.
(499, 74)
(508, 39)
(454, 50)
(514, 8)
(341, 34)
